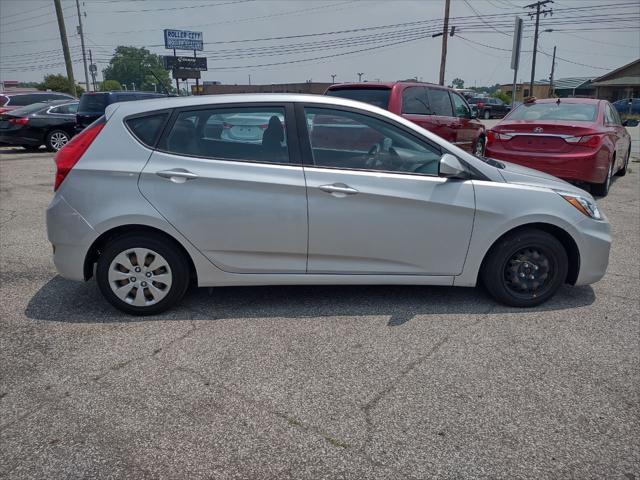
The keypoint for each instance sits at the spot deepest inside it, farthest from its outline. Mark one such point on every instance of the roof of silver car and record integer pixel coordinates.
(140, 106)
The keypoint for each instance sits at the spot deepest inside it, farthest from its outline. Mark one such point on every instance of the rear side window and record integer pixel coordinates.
(93, 103)
(415, 101)
(378, 97)
(247, 134)
(147, 129)
(3, 100)
(440, 102)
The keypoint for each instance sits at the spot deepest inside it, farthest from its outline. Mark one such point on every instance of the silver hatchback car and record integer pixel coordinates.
(154, 195)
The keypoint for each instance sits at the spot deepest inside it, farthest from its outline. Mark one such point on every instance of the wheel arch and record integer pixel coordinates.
(94, 251)
(564, 237)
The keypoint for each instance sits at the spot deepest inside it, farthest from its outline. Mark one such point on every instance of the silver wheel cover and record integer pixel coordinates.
(140, 277)
(59, 140)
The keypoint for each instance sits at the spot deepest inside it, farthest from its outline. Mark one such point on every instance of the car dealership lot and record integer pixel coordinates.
(312, 382)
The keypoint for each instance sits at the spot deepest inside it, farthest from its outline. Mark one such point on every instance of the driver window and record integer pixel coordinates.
(460, 106)
(343, 139)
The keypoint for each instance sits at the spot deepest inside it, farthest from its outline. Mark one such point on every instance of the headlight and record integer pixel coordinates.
(585, 205)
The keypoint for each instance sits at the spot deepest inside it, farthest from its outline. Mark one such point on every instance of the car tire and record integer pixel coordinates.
(486, 115)
(602, 189)
(56, 139)
(623, 171)
(480, 146)
(142, 274)
(517, 263)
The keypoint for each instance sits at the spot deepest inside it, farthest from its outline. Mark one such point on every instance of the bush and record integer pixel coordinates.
(109, 85)
(502, 96)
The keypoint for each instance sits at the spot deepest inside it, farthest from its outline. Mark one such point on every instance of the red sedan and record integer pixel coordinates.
(577, 139)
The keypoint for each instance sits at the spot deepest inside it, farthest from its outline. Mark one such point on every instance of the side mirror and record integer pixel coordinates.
(473, 115)
(452, 167)
(630, 122)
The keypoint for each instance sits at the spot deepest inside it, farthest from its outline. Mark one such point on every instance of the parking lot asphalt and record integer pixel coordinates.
(313, 382)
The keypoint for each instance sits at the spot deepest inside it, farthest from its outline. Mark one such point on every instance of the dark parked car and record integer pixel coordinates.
(11, 101)
(93, 104)
(51, 124)
(627, 106)
(438, 109)
(488, 107)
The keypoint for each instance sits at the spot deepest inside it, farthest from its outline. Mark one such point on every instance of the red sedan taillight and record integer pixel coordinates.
(590, 141)
(493, 136)
(69, 155)
(19, 121)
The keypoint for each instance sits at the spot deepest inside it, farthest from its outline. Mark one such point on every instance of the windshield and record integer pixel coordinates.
(34, 107)
(93, 103)
(374, 96)
(578, 112)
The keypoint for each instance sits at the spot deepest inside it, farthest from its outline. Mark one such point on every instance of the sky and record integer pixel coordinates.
(383, 40)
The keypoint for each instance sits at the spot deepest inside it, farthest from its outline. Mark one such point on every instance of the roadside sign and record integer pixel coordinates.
(517, 42)
(183, 73)
(182, 39)
(188, 63)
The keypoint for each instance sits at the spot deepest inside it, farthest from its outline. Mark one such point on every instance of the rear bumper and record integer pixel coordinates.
(71, 236)
(590, 167)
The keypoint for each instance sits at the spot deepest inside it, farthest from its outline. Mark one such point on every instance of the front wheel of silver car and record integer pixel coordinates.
(142, 275)
(525, 268)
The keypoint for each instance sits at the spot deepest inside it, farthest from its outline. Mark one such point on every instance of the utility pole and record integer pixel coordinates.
(84, 55)
(333, 78)
(92, 71)
(65, 47)
(445, 31)
(360, 74)
(539, 11)
(553, 67)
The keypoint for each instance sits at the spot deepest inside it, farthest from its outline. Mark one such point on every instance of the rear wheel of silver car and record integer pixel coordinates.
(142, 275)
(56, 139)
(525, 268)
(602, 189)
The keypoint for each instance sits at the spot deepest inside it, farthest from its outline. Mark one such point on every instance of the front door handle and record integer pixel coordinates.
(177, 175)
(338, 188)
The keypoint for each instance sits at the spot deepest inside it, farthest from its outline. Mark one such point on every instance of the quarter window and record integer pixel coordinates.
(461, 108)
(147, 128)
(249, 134)
(415, 101)
(609, 118)
(348, 140)
(440, 102)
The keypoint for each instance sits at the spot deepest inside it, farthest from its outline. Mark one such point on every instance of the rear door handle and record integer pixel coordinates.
(339, 188)
(177, 175)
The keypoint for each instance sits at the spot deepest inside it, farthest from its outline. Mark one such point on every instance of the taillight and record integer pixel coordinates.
(493, 136)
(480, 104)
(19, 121)
(69, 155)
(590, 141)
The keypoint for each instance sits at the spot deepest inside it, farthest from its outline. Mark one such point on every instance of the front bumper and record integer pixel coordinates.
(71, 236)
(594, 244)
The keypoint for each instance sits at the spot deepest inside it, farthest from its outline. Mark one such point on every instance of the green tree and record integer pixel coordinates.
(131, 65)
(457, 83)
(58, 83)
(110, 85)
(502, 96)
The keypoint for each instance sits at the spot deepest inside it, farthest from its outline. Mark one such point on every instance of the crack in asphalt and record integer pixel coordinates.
(377, 398)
